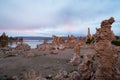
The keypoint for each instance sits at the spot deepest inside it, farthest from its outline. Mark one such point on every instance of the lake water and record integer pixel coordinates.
(32, 43)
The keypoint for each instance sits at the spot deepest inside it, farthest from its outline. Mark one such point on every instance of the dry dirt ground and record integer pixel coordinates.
(43, 62)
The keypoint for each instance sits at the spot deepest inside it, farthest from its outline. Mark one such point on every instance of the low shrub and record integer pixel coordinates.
(117, 43)
(89, 41)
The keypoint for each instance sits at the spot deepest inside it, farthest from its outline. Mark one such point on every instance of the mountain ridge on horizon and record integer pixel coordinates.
(38, 37)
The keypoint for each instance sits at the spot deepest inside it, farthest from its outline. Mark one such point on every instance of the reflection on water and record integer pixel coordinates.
(6, 43)
(32, 43)
(13, 44)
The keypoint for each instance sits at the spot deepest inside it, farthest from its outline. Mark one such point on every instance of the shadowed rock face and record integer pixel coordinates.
(107, 55)
(3, 40)
(3, 37)
(85, 68)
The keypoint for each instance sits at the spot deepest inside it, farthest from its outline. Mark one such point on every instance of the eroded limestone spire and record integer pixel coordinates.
(88, 37)
(107, 55)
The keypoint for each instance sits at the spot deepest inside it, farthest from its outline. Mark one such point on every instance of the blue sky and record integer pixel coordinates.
(59, 17)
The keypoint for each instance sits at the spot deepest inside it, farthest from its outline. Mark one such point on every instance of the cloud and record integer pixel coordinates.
(60, 17)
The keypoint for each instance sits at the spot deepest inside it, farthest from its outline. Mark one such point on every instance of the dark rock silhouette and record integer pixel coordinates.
(4, 40)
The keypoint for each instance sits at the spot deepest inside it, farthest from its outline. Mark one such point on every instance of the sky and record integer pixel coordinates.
(59, 17)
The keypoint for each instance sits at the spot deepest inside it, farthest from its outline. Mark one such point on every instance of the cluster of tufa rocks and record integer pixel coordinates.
(107, 54)
(23, 47)
(7, 52)
(60, 43)
(20, 49)
(4, 40)
(27, 75)
(34, 75)
(101, 64)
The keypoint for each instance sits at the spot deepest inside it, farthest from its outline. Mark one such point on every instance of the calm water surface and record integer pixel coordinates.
(32, 43)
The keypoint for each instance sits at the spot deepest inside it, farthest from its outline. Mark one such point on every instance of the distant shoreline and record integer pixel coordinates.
(34, 38)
